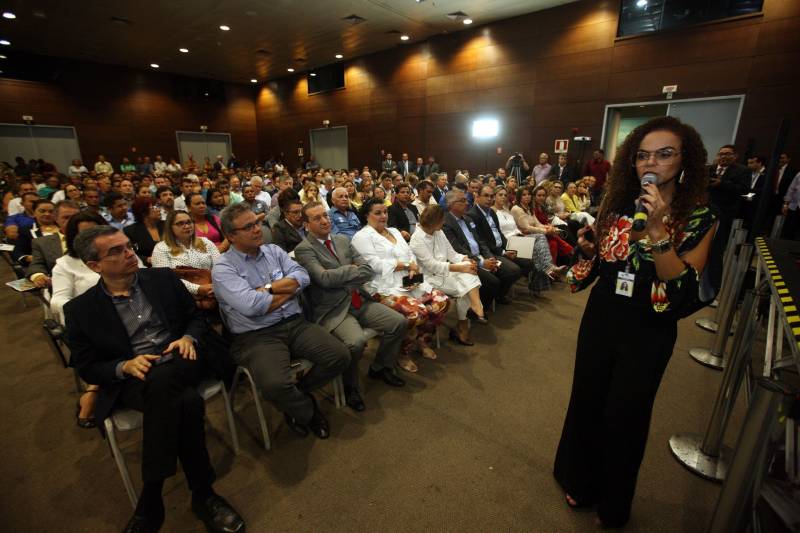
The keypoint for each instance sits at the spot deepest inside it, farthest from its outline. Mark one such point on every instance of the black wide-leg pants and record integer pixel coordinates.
(622, 353)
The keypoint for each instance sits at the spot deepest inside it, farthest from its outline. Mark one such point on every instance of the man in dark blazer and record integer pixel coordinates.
(563, 171)
(339, 304)
(403, 215)
(751, 199)
(784, 176)
(421, 169)
(441, 187)
(461, 231)
(488, 232)
(404, 166)
(47, 249)
(289, 231)
(140, 336)
(388, 164)
(728, 181)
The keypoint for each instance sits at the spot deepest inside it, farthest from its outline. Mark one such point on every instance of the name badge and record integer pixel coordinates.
(276, 275)
(625, 284)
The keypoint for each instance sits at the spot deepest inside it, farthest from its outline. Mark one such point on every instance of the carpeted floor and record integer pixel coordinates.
(468, 445)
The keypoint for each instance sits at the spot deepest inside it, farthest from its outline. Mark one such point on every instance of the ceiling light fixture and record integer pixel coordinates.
(3, 57)
(339, 56)
(290, 70)
(154, 65)
(467, 21)
(183, 50)
(404, 37)
(253, 80)
(313, 74)
(225, 28)
(5, 43)
(641, 3)
(9, 15)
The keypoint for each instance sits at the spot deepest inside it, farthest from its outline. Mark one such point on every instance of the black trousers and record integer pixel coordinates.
(174, 422)
(621, 356)
(497, 284)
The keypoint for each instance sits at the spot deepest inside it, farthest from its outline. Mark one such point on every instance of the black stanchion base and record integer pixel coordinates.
(686, 449)
(706, 358)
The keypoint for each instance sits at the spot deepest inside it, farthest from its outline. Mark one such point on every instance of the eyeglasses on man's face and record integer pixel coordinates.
(247, 227)
(116, 252)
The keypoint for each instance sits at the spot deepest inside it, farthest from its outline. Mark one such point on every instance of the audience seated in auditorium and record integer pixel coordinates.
(560, 249)
(181, 247)
(117, 214)
(289, 231)
(343, 219)
(256, 206)
(205, 225)
(284, 182)
(21, 221)
(258, 187)
(339, 303)
(166, 200)
(44, 224)
(46, 250)
(257, 286)
(108, 343)
(424, 196)
(187, 188)
(448, 271)
(391, 259)
(403, 215)
(13, 203)
(147, 230)
(215, 202)
(102, 166)
(576, 202)
(497, 274)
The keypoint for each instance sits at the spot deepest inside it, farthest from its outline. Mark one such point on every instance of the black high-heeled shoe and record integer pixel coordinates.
(455, 338)
(472, 315)
(84, 423)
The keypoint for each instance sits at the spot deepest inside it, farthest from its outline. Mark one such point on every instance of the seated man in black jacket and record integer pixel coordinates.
(403, 215)
(488, 232)
(497, 274)
(289, 231)
(138, 334)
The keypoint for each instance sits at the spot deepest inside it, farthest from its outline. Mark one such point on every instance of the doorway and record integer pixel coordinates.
(202, 144)
(716, 119)
(55, 144)
(329, 147)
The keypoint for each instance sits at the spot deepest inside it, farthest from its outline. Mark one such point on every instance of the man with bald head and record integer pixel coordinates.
(344, 220)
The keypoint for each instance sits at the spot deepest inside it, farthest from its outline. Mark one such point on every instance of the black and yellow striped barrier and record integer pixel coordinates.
(786, 301)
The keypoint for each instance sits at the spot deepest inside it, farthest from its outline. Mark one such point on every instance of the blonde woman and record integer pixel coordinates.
(182, 248)
(575, 204)
(310, 193)
(355, 197)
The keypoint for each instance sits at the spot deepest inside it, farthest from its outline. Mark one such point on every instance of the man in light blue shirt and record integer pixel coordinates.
(344, 220)
(257, 287)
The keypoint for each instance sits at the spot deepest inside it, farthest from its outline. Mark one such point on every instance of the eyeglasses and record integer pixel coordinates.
(247, 227)
(663, 156)
(183, 223)
(119, 251)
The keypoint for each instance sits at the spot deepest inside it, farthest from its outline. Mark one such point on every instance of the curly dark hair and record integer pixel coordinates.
(623, 186)
(72, 228)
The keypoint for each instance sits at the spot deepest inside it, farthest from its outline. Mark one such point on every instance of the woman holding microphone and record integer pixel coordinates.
(646, 282)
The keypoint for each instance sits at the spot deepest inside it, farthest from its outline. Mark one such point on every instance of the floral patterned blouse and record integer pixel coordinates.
(616, 253)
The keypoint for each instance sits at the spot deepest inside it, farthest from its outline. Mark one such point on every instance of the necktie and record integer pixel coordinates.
(355, 297)
(720, 171)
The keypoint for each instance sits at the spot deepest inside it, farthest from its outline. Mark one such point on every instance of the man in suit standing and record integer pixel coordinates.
(404, 166)
(461, 231)
(342, 307)
(420, 169)
(289, 231)
(388, 165)
(403, 215)
(783, 178)
(488, 232)
(752, 197)
(562, 171)
(47, 249)
(728, 181)
(140, 336)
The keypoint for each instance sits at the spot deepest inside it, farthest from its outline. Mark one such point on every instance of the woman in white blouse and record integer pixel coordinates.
(453, 273)
(391, 258)
(71, 278)
(181, 248)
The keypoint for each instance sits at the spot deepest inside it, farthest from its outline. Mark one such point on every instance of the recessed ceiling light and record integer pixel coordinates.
(154, 65)
(225, 28)
(3, 57)
(641, 3)
(5, 43)
(467, 21)
(290, 70)
(205, 94)
(313, 74)
(253, 80)
(9, 15)
(183, 50)
(339, 56)
(404, 37)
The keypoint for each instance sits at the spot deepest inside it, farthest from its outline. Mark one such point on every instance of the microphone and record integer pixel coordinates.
(640, 217)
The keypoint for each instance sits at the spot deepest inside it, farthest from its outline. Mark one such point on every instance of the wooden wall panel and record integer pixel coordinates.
(542, 75)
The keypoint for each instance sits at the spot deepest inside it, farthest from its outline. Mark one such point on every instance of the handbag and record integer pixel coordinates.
(198, 276)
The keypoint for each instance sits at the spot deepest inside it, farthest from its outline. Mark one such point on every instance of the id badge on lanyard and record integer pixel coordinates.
(625, 282)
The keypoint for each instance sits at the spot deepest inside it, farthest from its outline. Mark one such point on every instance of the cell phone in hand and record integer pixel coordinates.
(166, 358)
(410, 281)
(589, 235)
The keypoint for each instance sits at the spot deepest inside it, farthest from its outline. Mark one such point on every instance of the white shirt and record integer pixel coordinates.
(264, 197)
(420, 206)
(174, 167)
(75, 171)
(434, 253)
(15, 206)
(383, 256)
(508, 226)
(58, 196)
(71, 278)
(191, 257)
(160, 167)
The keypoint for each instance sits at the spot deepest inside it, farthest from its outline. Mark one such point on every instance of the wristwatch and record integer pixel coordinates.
(268, 286)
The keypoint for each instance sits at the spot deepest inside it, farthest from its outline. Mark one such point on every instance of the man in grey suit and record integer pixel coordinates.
(47, 249)
(342, 307)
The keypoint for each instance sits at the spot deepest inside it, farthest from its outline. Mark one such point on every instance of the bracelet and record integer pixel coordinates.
(662, 246)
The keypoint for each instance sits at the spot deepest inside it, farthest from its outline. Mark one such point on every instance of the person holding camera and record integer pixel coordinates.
(517, 166)
(646, 281)
(398, 284)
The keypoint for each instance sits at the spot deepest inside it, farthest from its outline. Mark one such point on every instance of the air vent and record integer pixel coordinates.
(121, 21)
(354, 19)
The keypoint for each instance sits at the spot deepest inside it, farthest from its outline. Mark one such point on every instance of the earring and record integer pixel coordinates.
(680, 180)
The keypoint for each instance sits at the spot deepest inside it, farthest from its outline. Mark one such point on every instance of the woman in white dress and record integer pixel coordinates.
(392, 260)
(181, 248)
(452, 273)
(71, 278)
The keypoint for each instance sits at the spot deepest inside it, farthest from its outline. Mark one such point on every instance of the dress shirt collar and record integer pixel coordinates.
(134, 286)
(247, 257)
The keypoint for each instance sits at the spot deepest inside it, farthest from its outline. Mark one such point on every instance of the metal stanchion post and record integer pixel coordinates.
(714, 357)
(741, 488)
(737, 238)
(704, 454)
(777, 227)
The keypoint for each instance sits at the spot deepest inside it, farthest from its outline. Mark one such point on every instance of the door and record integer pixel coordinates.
(329, 147)
(55, 144)
(203, 144)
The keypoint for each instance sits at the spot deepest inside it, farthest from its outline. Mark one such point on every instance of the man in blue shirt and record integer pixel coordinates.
(344, 220)
(257, 287)
(15, 224)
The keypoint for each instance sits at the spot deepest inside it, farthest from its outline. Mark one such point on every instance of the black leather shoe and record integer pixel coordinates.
(300, 429)
(387, 376)
(318, 423)
(353, 399)
(218, 515)
(455, 338)
(472, 315)
(140, 524)
(504, 300)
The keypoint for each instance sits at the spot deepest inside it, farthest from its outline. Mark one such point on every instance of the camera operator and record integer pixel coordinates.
(517, 166)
